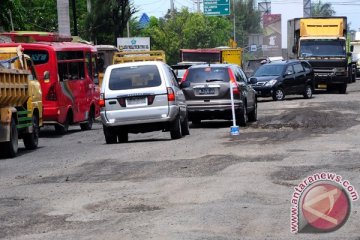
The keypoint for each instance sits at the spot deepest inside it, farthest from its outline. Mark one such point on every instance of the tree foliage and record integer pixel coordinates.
(108, 19)
(321, 9)
(247, 20)
(186, 30)
(12, 8)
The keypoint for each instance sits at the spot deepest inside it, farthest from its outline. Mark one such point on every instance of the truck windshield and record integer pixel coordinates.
(322, 48)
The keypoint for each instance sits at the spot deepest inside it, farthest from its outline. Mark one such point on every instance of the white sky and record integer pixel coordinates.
(288, 9)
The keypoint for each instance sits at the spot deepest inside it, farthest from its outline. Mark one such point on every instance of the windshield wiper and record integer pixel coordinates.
(214, 80)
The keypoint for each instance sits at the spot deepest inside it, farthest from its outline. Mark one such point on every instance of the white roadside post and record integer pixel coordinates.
(234, 130)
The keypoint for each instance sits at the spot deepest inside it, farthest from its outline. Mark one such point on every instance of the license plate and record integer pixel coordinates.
(322, 86)
(136, 101)
(206, 91)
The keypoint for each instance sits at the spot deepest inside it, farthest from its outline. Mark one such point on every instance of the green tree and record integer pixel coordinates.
(108, 19)
(14, 9)
(247, 20)
(321, 9)
(186, 30)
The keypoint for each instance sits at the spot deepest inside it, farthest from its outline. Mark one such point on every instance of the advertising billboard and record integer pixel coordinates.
(134, 44)
(272, 35)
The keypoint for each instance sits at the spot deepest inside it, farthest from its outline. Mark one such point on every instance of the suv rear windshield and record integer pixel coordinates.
(134, 77)
(207, 74)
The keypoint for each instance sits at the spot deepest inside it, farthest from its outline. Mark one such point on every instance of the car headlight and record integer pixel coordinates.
(271, 83)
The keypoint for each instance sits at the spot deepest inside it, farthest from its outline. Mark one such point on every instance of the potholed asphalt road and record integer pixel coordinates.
(208, 185)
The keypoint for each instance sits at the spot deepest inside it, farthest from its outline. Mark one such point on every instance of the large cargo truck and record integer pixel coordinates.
(20, 101)
(323, 43)
(355, 44)
(212, 55)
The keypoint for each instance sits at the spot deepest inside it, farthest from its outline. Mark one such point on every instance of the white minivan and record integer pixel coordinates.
(140, 97)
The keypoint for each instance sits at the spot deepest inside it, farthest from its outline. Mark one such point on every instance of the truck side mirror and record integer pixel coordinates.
(294, 49)
(351, 48)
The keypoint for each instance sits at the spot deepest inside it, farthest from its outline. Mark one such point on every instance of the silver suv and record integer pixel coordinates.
(142, 97)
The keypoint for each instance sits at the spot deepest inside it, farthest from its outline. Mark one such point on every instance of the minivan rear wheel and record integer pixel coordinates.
(110, 136)
(185, 126)
(175, 131)
(123, 135)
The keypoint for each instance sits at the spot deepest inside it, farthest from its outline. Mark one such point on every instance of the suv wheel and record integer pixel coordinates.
(342, 88)
(308, 92)
(175, 129)
(243, 118)
(110, 136)
(253, 114)
(278, 95)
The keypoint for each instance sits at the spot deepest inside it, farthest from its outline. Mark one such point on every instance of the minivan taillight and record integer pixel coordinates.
(102, 100)
(171, 94)
(233, 83)
(51, 95)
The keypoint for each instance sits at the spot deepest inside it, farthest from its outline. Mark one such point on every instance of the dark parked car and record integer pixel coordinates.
(281, 78)
(207, 92)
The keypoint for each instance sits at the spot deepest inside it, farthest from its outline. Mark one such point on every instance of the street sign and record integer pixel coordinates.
(217, 7)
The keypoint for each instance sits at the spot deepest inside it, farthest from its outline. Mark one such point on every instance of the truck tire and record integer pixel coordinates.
(31, 140)
(11, 147)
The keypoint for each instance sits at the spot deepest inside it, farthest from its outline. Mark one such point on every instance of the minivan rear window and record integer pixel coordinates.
(207, 74)
(124, 78)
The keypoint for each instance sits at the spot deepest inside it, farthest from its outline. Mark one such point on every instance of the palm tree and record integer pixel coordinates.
(63, 17)
(321, 9)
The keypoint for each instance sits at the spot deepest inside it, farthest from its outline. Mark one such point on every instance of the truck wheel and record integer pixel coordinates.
(88, 124)
(175, 129)
(11, 147)
(308, 92)
(110, 136)
(342, 88)
(31, 140)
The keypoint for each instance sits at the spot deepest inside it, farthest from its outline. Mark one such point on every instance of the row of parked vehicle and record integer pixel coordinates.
(147, 96)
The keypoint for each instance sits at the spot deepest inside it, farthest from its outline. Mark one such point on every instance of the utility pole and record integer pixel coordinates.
(198, 6)
(234, 21)
(63, 17)
(172, 6)
(307, 8)
(74, 17)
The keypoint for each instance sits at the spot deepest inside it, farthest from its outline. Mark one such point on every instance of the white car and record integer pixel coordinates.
(141, 97)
